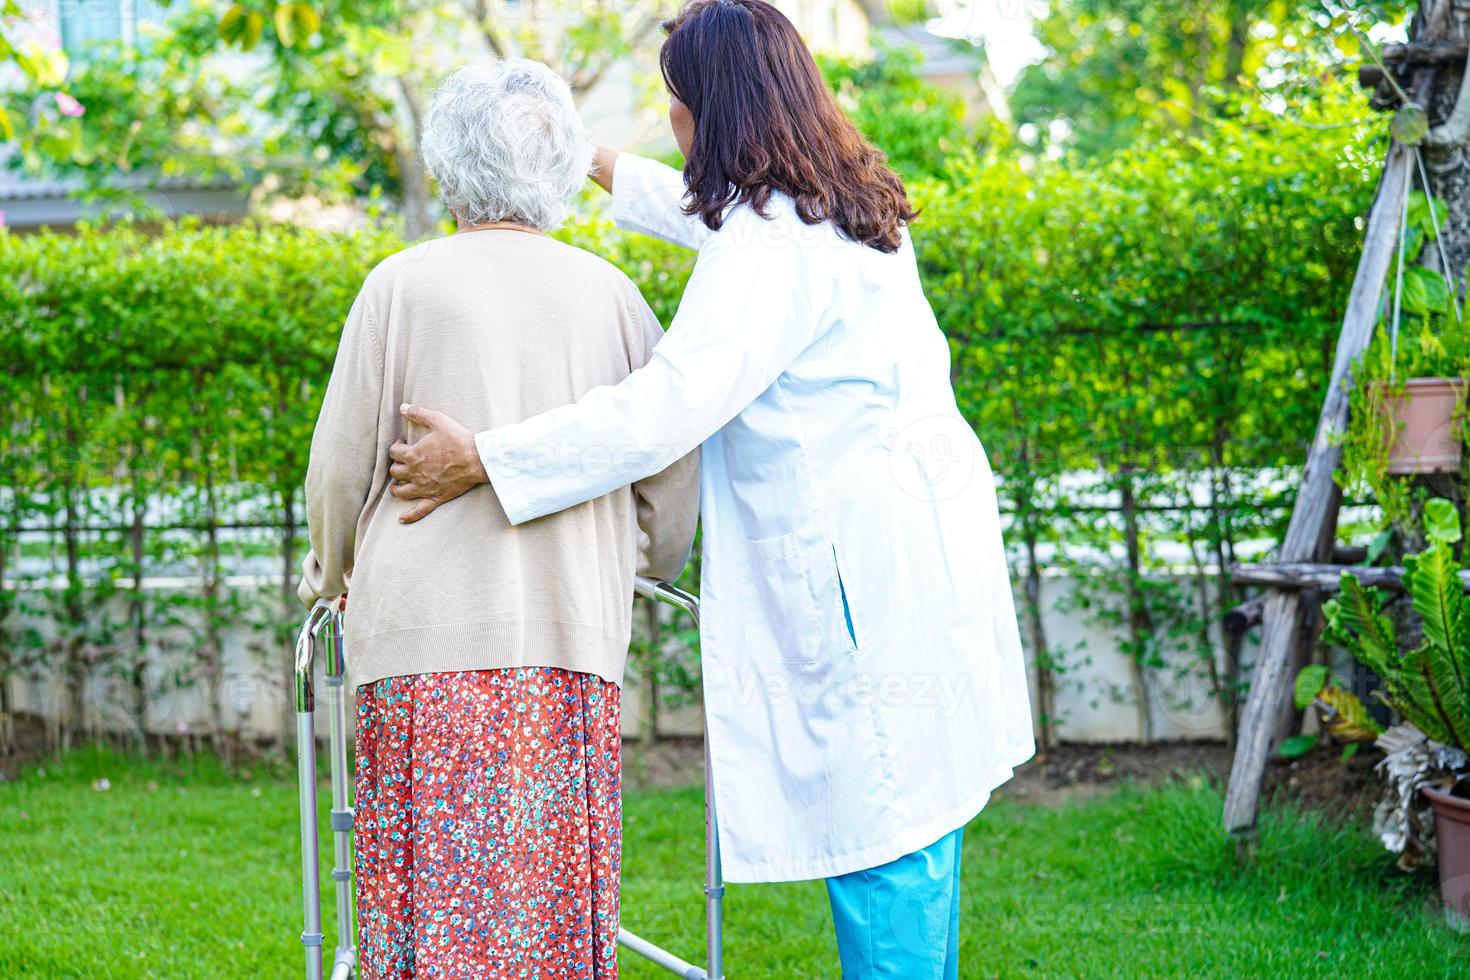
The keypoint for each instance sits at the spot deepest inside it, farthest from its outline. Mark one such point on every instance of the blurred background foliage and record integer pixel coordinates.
(1117, 72)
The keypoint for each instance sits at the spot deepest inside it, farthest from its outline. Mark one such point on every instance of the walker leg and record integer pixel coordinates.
(714, 879)
(345, 963)
(659, 956)
(305, 694)
(311, 933)
(341, 818)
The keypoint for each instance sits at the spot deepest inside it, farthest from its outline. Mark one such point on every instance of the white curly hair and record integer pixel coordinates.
(505, 143)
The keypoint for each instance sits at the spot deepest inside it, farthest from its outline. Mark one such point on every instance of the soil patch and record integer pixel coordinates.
(1319, 782)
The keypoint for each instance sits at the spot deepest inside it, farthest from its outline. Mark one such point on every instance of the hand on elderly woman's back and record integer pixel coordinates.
(441, 465)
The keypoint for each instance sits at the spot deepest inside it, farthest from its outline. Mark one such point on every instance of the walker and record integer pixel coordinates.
(322, 633)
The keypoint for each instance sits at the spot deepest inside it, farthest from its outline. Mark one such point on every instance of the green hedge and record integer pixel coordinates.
(156, 409)
(1143, 346)
(1137, 344)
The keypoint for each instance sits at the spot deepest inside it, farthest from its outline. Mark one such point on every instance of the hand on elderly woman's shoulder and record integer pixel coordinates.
(441, 465)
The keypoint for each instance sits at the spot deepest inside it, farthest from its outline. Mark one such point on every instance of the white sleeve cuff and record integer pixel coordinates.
(648, 198)
(505, 472)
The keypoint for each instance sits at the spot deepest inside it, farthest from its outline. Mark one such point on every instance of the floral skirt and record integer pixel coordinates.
(489, 825)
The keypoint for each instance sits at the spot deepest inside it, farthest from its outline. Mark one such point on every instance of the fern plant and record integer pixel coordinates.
(1430, 685)
(1344, 716)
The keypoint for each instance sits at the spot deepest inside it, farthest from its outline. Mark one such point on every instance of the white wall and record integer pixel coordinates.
(1086, 705)
(256, 683)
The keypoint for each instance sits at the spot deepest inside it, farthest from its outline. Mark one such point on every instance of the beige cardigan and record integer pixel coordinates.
(491, 327)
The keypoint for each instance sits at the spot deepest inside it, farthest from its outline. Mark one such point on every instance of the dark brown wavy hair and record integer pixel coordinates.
(765, 121)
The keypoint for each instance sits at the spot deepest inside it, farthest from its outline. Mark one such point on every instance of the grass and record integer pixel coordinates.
(186, 870)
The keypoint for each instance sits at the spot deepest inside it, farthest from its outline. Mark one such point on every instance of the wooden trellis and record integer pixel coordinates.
(1304, 569)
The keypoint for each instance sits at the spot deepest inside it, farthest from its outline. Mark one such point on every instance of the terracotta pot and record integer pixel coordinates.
(1427, 420)
(1452, 841)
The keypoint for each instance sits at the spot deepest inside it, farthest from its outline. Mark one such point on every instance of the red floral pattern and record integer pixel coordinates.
(489, 825)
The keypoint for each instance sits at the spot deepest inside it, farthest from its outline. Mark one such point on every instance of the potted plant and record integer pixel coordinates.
(1408, 404)
(1408, 418)
(1420, 397)
(1429, 687)
(1424, 415)
(1424, 410)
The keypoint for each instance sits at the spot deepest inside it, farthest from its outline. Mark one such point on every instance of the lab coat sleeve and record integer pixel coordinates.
(746, 314)
(344, 455)
(648, 197)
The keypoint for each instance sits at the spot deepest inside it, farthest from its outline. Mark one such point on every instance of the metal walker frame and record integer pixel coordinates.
(323, 627)
(322, 633)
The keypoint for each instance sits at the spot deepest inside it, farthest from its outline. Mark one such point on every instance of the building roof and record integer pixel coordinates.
(32, 203)
(15, 187)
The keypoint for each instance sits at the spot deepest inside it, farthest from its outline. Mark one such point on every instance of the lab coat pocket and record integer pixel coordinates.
(783, 602)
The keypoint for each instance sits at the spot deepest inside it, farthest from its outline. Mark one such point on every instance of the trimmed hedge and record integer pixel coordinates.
(1137, 345)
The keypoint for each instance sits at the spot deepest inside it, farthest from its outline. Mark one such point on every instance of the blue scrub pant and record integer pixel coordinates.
(901, 919)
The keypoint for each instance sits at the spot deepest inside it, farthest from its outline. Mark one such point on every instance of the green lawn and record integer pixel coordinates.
(188, 871)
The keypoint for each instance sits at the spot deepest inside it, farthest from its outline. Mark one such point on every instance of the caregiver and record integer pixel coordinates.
(863, 674)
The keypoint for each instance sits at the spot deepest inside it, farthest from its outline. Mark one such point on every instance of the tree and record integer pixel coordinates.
(325, 98)
(37, 116)
(918, 125)
(1121, 71)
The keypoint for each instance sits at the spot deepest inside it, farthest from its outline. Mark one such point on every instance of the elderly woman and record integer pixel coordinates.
(487, 657)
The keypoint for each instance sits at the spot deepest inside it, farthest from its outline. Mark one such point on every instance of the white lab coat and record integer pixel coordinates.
(836, 473)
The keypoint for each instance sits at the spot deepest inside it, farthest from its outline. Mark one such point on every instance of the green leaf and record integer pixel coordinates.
(1441, 521)
(45, 67)
(1432, 579)
(1376, 546)
(1348, 751)
(1297, 746)
(295, 23)
(241, 27)
(1346, 717)
(1355, 623)
(1308, 682)
(1409, 692)
(1425, 292)
(1420, 216)
(1410, 125)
